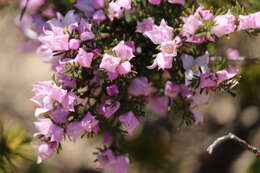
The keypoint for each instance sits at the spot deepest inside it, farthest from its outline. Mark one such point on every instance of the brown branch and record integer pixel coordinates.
(239, 59)
(233, 137)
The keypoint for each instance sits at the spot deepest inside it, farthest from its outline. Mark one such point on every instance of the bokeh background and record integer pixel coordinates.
(158, 147)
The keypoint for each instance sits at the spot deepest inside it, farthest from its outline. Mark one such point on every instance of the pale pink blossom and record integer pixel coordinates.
(112, 90)
(246, 22)
(109, 162)
(181, 2)
(160, 33)
(74, 44)
(129, 122)
(99, 16)
(256, 17)
(32, 6)
(208, 80)
(123, 51)
(224, 24)
(232, 54)
(47, 128)
(158, 105)
(59, 115)
(169, 48)
(92, 8)
(85, 30)
(154, 2)
(145, 25)
(124, 68)
(226, 74)
(163, 62)
(110, 63)
(84, 58)
(139, 87)
(115, 10)
(108, 108)
(90, 123)
(126, 4)
(45, 94)
(75, 130)
(172, 90)
(45, 150)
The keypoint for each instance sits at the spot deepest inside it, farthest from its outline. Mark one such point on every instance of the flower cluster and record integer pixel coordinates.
(103, 80)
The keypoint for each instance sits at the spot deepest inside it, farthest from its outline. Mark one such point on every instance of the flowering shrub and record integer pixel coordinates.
(112, 60)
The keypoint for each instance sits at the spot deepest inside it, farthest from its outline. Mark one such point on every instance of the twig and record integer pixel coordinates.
(238, 59)
(233, 137)
(24, 10)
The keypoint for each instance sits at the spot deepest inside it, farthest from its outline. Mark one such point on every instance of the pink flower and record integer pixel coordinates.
(145, 26)
(74, 44)
(99, 16)
(169, 48)
(55, 38)
(208, 80)
(126, 4)
(224, 75)
(246, 22)
(232, 54)
(163, 62)
(109, 162)
(89, 123)
(45, 94)
(48, 129)
(112, 90)
(115, 10)
(55, 42)
(256, 17)
(124, 68)
(45, 150)
(198, 99)
(108, 108)
(204, 14)
(89, 7)
(32, 6)
(191, 24)
(75, 130)
(70, 100)
(129, 122)
(119, 64)
(84, 58)
(160, 33)
(198, 116)
(112, 75)
(158, 105)
(139, 87)
(225, 24)
(172, 90)
(85, 30)
(123, 51)
(154, 2)
(59, 115)
(105, 158)
(110, 63)
(120, 165)
(181, 2)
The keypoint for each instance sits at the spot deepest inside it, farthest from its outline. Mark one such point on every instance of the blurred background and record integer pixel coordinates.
(158, 147)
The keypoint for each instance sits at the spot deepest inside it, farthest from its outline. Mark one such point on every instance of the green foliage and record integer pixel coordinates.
(14, 148)
(255, 166)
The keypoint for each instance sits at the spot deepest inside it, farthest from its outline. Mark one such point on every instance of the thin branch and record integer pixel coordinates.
(239, 59)
(24, 10)
(233, 137)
